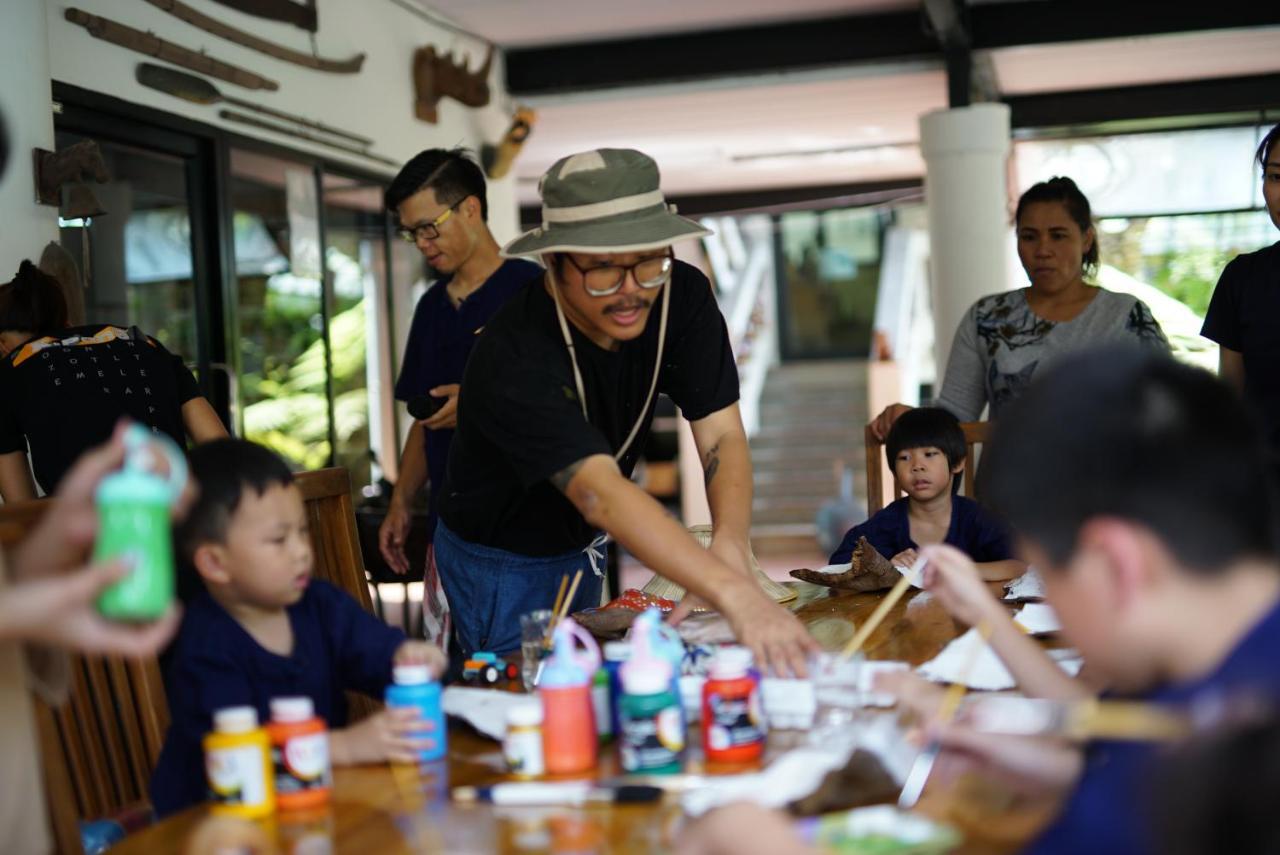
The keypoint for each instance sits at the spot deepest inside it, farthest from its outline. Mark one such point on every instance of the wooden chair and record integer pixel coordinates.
(100, 746)
(878, 469)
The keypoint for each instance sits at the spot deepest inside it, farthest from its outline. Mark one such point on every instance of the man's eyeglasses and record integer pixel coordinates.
(649, 273)
(431, 230)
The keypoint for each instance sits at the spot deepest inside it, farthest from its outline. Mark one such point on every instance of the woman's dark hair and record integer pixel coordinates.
(451, 173)
(1064, 191)
(1268, 145)
(32, 302)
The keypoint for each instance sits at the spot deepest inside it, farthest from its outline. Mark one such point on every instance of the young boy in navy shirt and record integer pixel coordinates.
(262, 628)
(926, 450)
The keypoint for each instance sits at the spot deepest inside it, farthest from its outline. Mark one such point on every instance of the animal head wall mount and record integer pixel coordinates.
(69, 168)
(436, 76)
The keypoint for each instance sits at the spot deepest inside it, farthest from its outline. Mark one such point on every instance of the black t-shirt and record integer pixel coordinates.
(64, 393)
(1244, 316)
(519, 420)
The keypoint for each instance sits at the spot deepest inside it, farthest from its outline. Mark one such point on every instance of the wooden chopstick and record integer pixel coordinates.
(568, 600)
(555, 610)
(890, 600)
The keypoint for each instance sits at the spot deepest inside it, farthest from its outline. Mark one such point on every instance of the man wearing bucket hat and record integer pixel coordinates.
(555, 406)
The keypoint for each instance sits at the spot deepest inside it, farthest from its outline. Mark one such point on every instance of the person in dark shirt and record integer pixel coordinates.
(262, 628)
(926, 449)
(440, 201)
(1137, 487)
(557, 400)
(1244, 308)
(65, 388)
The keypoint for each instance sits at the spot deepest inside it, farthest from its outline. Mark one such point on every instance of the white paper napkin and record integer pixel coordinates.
(1028, 586)
(989, 673)
(483, 709)
(1038, 619)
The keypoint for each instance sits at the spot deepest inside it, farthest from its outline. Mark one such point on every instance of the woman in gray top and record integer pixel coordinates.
(1005, 338)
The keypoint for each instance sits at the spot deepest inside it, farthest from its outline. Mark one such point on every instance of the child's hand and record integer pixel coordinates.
(386, 735)
(953, 579)
(905, 558)
(421, 653)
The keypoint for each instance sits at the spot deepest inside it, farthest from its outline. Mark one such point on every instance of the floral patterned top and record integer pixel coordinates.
(1001, 343)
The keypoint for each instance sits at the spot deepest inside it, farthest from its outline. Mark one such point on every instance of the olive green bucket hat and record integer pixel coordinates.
(607, 200)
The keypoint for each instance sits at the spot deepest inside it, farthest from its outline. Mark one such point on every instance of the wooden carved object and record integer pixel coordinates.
(868, 571)
(301, 15)
(435, 77)
(136, 40)
(497, 159)
(73, 164)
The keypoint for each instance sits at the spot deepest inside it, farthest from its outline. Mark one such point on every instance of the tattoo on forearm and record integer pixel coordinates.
(562, 478)
(711, 464)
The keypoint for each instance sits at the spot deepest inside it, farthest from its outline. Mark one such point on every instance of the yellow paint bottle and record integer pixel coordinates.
(237, 762)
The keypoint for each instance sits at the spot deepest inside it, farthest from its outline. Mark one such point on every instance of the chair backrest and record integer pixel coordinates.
(99, 747)
(879, 473)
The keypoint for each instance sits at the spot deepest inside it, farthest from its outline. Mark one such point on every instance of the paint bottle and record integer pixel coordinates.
(134, 507)
(733, 725)
(569, 740)
(414, 687)
(299, 754)
(665, 643)
(652, 736)
(237, 762)
(600, 704)
(615, 653)
(522, 745)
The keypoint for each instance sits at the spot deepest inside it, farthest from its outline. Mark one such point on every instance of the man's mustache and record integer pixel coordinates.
(629, 306)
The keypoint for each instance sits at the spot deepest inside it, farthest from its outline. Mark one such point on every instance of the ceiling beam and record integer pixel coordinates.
(1256, 93)
(803, 45)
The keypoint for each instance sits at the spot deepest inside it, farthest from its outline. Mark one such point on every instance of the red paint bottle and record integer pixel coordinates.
(733, 725)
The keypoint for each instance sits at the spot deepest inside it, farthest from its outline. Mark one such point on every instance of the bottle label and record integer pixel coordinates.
(735, 720)
(523, 751)
(236, 775)
(302, 763)
(651, 741)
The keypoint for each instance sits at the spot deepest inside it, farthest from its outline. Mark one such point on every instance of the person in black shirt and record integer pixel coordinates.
(65, 388)
(1244, 308)
(557, 400)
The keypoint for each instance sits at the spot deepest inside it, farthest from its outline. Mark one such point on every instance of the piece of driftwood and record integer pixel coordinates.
(435, 77)
(301, 15)
(241, 118)
(868, 571)
(152, 45)
(183, 12)
(200, 91)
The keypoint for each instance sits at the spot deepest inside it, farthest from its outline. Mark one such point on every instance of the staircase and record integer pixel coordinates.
(811, 414)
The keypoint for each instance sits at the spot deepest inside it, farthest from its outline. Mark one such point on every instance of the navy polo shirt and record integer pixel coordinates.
(1109, 812)
(214, 663)
(440, 340)
(973, 531)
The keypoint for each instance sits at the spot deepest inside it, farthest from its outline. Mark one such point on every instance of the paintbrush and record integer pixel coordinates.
(877, 616)
(559, 614)
(1076, 720)
(923, 765)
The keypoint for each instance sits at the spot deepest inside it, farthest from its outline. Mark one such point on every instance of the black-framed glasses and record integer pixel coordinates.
(431, 230)
(649, 273)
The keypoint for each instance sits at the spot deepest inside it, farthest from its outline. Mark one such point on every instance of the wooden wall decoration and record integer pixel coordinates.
(436, 76)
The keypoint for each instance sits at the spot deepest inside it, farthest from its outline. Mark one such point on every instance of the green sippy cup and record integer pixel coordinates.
(133, 521)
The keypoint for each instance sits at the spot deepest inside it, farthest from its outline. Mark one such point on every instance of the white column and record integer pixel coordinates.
(966, 152)
(26, 102)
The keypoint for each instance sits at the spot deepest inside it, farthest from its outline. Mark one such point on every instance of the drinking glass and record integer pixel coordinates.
(534, 644)
(838, 697)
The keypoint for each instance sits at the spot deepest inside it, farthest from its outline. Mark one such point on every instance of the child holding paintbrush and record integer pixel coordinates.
(1138, 486)
(260, 627)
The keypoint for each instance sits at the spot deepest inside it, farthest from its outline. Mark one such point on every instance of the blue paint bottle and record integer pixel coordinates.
(615, 653)
(414, 687)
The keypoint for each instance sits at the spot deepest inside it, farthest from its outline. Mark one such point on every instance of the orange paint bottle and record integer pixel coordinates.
(569, 741)
(299, 754)
(733, 726)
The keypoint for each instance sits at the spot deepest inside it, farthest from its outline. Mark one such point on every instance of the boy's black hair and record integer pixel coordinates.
(223, 470)
(1267, 146)
(32, 303)
(452, 173)
(926, 427)
(1121, 432)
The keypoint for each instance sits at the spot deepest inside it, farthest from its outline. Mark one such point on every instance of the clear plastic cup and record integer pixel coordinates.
(535, 644)
(838, 697)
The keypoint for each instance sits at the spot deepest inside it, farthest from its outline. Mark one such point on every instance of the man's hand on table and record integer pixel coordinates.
(781, 643)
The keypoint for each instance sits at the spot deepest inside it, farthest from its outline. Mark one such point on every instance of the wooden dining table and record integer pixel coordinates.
(385, 809)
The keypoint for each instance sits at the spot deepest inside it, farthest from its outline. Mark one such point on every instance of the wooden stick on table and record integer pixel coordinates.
(568, 600)
(555, 610)
(890, 600)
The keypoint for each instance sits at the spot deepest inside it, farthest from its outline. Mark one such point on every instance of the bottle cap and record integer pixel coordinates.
(292, 709)
(525, 715)
(411, 675)
(235, 719)
(564, 669)
(617, 651)
(730, 663)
